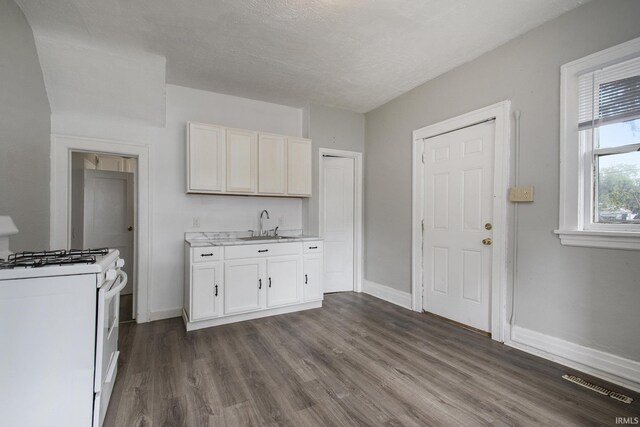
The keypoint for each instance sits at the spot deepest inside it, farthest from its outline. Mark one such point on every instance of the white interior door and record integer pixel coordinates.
(109, 215)
(458, 202)
(338, 223)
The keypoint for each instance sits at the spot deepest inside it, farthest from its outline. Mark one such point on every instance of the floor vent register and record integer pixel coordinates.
(598, 389)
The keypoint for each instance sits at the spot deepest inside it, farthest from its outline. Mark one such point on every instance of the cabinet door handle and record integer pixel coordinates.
(313, 247)
(269, 281)
(206, 254)
(216, 290)
(259, 283)
(263, 250)
(306, 279)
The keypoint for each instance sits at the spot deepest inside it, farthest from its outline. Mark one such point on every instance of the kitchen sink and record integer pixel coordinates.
(263, 238)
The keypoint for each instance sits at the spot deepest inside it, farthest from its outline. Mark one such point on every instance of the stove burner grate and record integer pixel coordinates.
(29, 259)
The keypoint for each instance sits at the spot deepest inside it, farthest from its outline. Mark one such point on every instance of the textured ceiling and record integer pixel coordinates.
(352, 54)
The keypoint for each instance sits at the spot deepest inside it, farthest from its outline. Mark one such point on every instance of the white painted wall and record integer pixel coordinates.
(584, 296)
(24, 132)
(172, 209)
(106, 83)
(329, 128)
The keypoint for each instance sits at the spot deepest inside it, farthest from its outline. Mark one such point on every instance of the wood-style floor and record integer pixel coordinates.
(356, 361)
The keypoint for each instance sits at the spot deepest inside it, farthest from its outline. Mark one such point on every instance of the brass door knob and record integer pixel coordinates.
(487, 241)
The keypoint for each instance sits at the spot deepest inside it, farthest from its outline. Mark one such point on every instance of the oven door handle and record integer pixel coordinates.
(123, 282)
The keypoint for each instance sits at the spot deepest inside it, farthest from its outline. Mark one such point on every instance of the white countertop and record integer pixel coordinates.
(196, 240)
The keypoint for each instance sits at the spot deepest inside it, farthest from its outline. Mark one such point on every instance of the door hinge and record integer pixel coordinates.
(423, 158)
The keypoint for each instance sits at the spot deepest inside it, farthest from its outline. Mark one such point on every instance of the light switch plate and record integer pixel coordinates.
(521, 194)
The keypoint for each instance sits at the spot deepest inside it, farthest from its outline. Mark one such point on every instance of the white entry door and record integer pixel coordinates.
(338, 216)
(458, 200)
(108, 215)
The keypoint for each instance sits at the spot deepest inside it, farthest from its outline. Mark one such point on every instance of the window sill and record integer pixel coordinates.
(626, 240)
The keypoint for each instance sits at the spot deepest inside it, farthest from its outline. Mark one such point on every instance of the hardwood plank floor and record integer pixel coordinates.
(356, 361)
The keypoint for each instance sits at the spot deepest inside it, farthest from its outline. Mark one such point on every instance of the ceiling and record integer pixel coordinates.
(351, 54)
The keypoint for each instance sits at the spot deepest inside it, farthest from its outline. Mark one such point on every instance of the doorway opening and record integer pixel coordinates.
(62, 147)
(103, 212)
(459, 218)
(340, 219)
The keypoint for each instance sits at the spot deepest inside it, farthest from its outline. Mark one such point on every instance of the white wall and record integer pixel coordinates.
(172, 209)
(584, 296)
(24, 132)
(329, 128)
(87, 79)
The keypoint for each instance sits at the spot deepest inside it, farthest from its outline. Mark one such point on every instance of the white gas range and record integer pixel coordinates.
(59, 336)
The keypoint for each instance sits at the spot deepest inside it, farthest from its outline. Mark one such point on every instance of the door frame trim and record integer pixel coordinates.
(500, 112)
(358, 203)
(62, 147)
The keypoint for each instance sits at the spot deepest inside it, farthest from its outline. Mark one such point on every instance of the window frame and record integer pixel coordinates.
(591, 156)
(576, 226)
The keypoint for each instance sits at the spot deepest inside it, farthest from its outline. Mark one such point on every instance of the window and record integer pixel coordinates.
(600, 149)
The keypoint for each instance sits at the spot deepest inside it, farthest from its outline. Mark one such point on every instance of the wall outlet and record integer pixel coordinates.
(196, 222)
(521, 194)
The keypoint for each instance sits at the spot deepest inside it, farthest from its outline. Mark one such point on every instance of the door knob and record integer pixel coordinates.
(487, 241)
(488, 226)
(129, 228)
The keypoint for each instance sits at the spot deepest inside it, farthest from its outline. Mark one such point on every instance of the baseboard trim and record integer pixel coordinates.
(224, 320)
(165, 314)
(607, 366)
(387, 293)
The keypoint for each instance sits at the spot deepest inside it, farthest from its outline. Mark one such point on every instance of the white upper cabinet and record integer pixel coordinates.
(242, 161)
(236, 161)
(272, 157)
(205, 158)
(299, 166)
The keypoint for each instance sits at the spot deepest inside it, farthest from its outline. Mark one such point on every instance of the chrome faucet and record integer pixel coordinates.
(261, 231)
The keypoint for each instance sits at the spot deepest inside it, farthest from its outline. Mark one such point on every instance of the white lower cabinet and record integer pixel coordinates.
(244, 285)
(236, 283)
(283, 280)
(312, 284)
(206, 290)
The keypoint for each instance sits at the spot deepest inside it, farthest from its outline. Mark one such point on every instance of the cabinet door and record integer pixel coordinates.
(206, 290)
(242, 161)
(298, 167)
(283, 279)
(205, 158)
(312, 284)
(271, 164)
(244, 285)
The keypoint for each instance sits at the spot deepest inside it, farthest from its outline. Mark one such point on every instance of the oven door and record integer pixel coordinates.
(107, 343)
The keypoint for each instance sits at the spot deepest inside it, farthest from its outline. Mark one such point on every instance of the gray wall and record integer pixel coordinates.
(24, 132)
(586, 296)
(329, 128)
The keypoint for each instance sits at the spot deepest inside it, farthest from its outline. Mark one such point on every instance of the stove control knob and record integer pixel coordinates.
(120, 263)
(111, 275)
